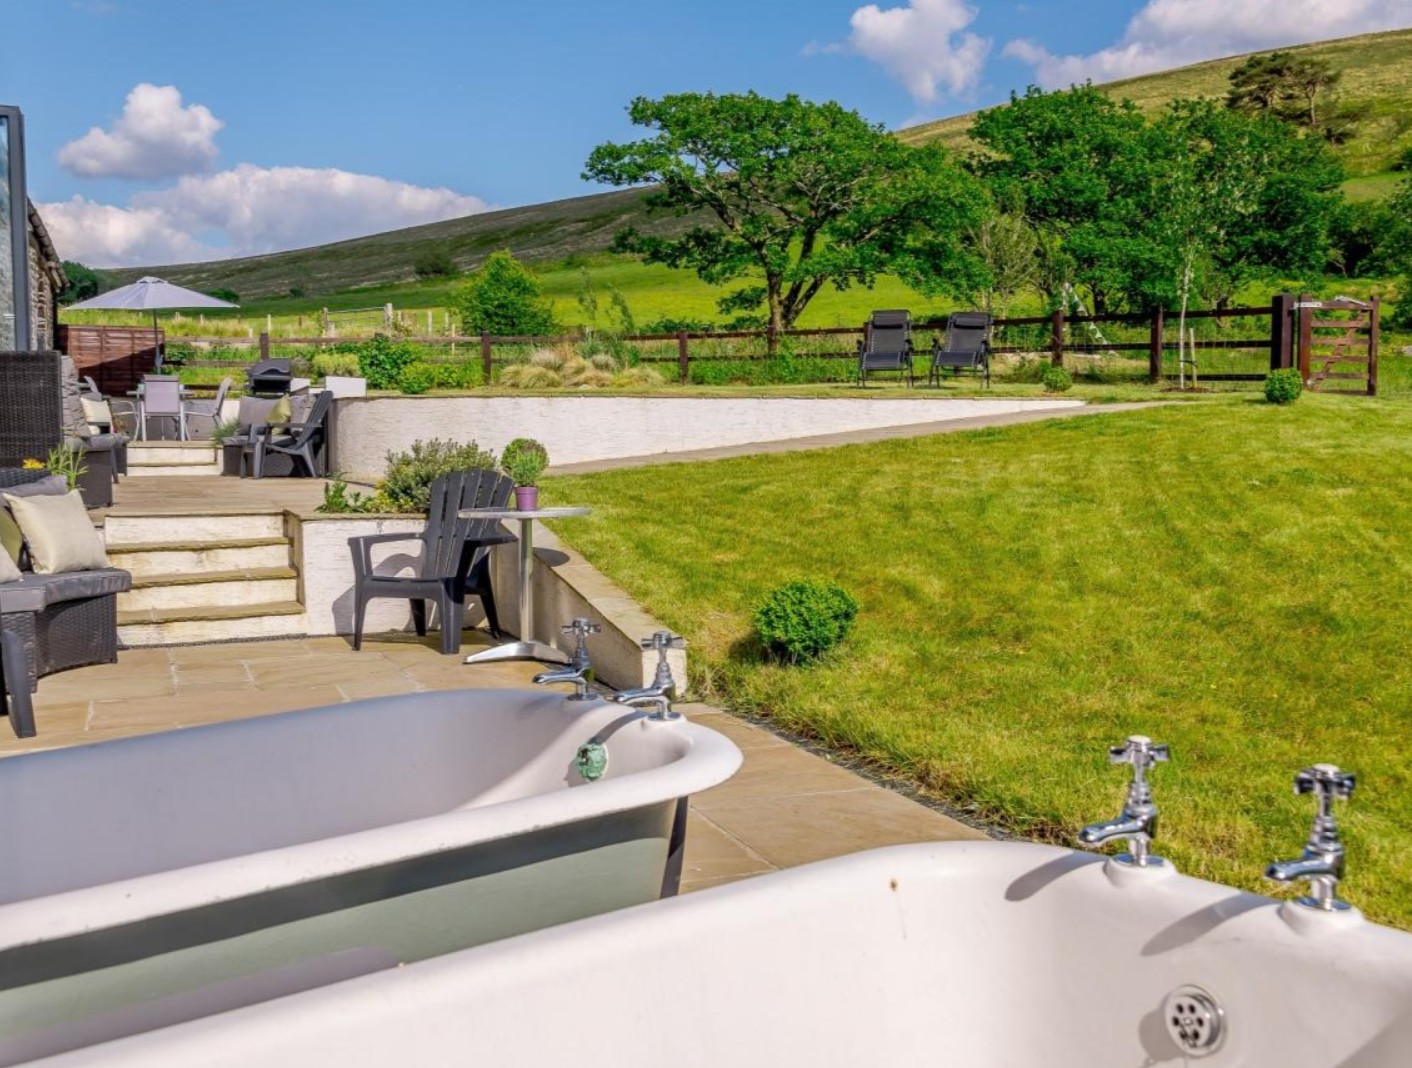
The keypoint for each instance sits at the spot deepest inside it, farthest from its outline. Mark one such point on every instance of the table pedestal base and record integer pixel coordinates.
(519, 650)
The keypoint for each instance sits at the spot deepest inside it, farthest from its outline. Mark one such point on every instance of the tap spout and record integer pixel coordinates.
(1306, 867)
(579, 675)
(1124, 826)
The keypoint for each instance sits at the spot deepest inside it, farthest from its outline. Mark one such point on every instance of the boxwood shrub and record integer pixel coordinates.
(801, 620)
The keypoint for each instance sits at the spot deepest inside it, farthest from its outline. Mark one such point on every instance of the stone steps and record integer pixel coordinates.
(182, 558)
(242, 586)
(206, 527)
(183, 626)
(204, 577)
(149, 458)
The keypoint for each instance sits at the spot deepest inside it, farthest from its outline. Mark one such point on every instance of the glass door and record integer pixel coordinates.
(14, 234)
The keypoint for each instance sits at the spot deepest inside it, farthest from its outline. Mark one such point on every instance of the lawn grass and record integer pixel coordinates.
(1231, 578)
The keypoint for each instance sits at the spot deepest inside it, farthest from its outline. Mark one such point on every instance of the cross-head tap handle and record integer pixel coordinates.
(663, 641)
(581, 628)
(1142, 753)
(1325, 782)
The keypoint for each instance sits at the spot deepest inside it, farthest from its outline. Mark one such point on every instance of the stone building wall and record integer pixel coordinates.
(46, 279)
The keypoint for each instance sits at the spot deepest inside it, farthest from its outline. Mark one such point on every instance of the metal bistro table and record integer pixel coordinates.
(526, 648)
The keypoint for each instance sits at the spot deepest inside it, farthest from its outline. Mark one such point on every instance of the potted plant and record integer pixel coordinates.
(524, 460)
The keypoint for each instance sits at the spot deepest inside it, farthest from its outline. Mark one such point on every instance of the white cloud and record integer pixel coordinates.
(922, 45)
(155, 137)
(1173, 33)
(244, 211)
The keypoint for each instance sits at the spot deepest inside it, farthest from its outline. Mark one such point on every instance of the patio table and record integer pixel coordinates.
(525, 647)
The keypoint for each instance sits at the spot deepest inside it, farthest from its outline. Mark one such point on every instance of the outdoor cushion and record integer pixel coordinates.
(11, 538)
(98, 414)
(77, 585)
(281, 412)
(254, 410)
(58, 532)
(48, 486)
(9, 570)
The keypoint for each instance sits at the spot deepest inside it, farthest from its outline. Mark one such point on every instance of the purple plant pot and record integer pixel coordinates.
(527, 498)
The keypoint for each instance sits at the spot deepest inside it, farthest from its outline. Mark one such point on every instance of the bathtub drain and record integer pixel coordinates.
(1195, 1020)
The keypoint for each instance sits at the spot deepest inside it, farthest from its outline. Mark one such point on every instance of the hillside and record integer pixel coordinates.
(1377, 78)
(538, 233)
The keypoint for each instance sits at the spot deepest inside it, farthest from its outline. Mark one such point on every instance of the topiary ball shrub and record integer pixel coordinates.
(1056, 379)
(803, 619)
(1283, 386)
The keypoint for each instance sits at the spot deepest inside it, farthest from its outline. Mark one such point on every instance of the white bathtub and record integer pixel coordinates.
(155, 878)
(965, 955)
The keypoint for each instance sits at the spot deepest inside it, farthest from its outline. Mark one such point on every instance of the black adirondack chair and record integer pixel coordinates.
(967, 347)
(455, 558)
(304, 442)
(886, 345)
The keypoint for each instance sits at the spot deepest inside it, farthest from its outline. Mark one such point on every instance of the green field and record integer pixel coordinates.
(1228, 577)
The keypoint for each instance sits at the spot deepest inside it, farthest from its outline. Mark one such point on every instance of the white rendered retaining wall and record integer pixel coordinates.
(578, 428)
(565, 587)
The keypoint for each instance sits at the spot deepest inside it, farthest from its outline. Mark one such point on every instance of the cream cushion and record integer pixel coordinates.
(59, 533)
(8, 571)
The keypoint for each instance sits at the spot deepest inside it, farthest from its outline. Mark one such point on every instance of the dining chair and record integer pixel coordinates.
(161, 399)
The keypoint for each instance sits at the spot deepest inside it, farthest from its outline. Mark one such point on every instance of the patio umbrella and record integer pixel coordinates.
(154, 295)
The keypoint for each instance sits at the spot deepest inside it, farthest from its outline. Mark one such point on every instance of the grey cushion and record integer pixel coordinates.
(74, 585)
(254, 410)
(49, 486)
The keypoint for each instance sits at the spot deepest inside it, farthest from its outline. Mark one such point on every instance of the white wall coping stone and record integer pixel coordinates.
(576, 428)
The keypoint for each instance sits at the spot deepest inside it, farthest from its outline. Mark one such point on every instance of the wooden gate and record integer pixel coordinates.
(1338, 342)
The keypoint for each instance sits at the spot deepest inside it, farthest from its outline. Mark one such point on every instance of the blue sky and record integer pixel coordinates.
(161, 130)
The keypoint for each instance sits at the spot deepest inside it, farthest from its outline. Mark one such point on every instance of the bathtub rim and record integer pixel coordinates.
(708, 758)
(521, 959)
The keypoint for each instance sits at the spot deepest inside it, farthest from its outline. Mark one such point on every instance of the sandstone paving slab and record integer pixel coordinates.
(788, 831)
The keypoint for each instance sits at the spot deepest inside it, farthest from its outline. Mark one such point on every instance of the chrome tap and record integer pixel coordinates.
(664, 688)
(1322, 862)
(1138, 821)
(578, 670)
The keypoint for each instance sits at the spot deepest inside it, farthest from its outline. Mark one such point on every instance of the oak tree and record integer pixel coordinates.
(796, 194)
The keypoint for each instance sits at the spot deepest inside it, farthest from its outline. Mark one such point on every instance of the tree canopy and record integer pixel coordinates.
(803, 194)
(1283, 85)
(502, 297)
(1143, 213)
(83, 283)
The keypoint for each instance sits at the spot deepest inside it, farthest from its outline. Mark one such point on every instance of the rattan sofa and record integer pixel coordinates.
(66, 620)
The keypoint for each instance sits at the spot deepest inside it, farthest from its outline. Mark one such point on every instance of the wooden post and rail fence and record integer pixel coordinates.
(1347, 334)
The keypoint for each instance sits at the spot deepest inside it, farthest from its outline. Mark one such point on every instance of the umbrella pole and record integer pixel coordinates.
(156, 342)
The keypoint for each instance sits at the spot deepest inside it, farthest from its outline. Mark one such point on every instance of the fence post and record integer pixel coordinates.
(1056, 337)
(1154, 347)
(683, 358)
(1373, 347)
(264, 345)
(1306, 337)
(485, 355)
(1280, 308)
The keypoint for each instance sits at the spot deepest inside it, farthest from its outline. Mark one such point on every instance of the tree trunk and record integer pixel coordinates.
(776, 324)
